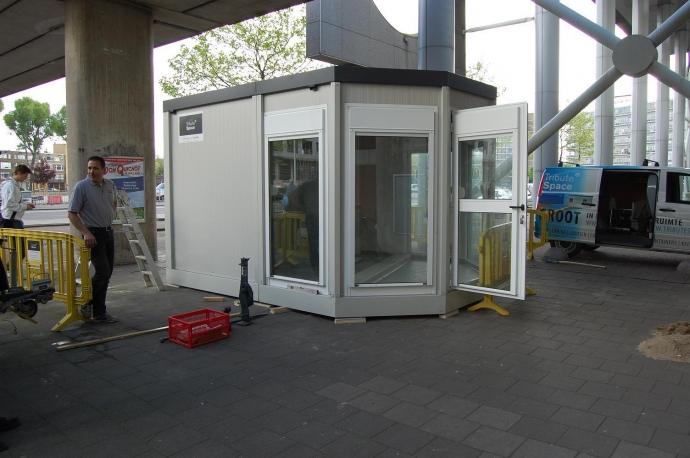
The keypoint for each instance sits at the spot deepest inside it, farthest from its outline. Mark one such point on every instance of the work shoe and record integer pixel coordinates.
(105, 318)
(8, 423)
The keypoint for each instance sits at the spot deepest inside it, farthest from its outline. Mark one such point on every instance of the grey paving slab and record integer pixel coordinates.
(445, 448)
(410, 414)
(374, 402)
(616, 409)
(590, 443)
(365, 424)
(628, 431)
(494, 441)
(628, 450)
(537, 429)
(535, 449)
(449, 427)
(578, 418)
(405, 438)
(416, 394)
(496, 418)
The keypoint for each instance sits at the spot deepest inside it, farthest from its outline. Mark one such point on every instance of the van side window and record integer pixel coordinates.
(678, 188)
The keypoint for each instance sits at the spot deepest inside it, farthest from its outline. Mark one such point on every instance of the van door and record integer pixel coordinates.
(490, 190)
(672, 222)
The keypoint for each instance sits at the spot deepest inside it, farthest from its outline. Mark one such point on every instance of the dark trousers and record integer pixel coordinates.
(102, 256)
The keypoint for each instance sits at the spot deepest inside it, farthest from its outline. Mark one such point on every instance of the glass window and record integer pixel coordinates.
(486, 167)
(294, 208)
(484, 249)
(391, 209)
(678, 188)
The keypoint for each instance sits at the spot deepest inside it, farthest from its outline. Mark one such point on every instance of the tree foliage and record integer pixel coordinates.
(257, 49)
(159, 167)
(32, 123)
(58, 123)
(480, 72)
(42, 173)
(577, 137)
(2, 106)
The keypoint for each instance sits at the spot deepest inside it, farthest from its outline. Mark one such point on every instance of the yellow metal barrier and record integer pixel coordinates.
(43, 254)
(532, 242)
(494, 264)
(286, 236)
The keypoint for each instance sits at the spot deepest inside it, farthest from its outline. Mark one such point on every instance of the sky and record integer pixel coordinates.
(507, 52)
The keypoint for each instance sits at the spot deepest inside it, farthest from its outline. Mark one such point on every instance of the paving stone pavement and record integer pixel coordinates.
(560, 377)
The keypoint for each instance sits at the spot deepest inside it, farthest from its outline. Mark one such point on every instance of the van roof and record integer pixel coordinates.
(624, 167)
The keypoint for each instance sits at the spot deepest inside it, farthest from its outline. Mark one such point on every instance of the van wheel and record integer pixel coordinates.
(570, 248)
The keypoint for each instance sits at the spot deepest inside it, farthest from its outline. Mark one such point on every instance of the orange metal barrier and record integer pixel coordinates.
(36, 255)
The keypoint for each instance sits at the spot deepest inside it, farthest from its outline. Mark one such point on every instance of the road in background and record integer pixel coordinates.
(57, 215)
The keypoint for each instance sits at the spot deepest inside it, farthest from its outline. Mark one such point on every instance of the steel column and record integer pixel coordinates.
(603, 108)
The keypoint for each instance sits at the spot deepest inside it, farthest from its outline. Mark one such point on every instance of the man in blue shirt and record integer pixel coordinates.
(91, 211)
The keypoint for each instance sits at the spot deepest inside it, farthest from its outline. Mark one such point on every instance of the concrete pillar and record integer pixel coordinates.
(546, 94)
(678, 140)
(436, 48)
(638, 119)
(460, 39)
(109, 72)
(603, 108)
(662, 99)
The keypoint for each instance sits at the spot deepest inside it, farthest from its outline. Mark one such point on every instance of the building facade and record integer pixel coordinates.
(57, 159)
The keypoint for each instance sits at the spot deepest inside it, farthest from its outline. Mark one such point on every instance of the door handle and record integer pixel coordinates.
(518, 207)
(667, 210)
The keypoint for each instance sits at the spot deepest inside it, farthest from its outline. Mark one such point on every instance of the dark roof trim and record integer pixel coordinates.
(341, 74)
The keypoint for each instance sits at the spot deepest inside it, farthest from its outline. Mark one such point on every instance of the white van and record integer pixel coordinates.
(638, 207)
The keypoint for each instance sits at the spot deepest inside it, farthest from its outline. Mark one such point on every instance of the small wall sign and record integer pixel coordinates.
(191, 128)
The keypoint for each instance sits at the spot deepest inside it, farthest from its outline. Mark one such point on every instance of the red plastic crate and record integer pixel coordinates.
(199, 327)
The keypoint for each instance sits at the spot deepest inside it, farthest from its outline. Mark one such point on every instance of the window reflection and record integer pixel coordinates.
(484, 249)
(391, 211)
(294, 208)
(486, 167)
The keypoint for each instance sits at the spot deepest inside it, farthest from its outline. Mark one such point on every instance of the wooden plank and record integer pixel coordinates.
(88, 343)
(350, 321)
(214, 299)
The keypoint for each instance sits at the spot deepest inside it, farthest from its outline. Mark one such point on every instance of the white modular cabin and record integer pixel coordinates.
(355, 192)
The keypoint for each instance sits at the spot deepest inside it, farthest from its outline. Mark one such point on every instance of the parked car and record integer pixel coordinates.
(160, 192)
(630, 206)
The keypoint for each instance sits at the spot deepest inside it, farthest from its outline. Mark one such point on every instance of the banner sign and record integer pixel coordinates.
(127, 173)
(570, 196)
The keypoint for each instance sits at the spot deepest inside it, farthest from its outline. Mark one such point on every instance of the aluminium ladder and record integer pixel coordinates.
(137, 242)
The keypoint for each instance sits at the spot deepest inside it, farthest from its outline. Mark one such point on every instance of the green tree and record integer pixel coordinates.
(42, 173)
(58, 123)
(257, 49)
(159, 168)
(2, 106)
(479, 72)
(32, 123)
(577, 136)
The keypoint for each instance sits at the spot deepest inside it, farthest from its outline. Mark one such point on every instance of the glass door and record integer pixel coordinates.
(490, 194)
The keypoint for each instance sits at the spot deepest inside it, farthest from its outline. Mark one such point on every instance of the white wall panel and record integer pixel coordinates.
(215, 207)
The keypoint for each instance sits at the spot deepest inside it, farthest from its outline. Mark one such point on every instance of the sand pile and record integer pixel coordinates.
(669, 342)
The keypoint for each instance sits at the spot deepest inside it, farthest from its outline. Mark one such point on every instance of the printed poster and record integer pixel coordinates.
(127, 173)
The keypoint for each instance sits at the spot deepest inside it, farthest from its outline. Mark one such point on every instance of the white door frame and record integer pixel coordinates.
(488, 122)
